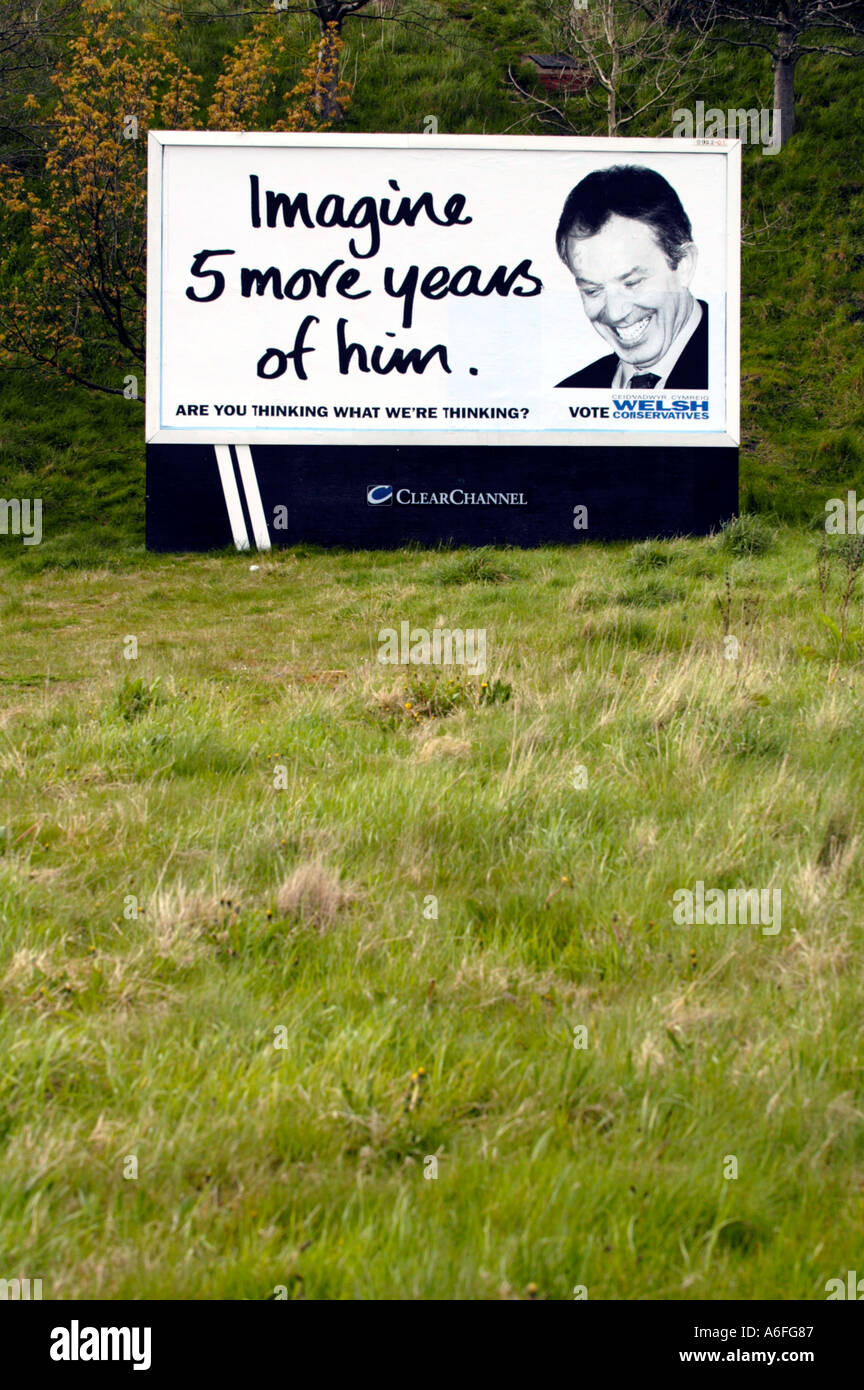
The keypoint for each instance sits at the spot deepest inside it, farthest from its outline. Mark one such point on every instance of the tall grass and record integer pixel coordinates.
(241, 910)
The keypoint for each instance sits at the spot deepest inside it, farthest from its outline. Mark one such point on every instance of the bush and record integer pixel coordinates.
(476, 567)
(135, 696)
(749, 534)
(648, 555)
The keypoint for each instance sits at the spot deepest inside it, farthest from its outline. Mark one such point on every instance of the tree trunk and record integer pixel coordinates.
(330, 16)
(329, 12)
(614, 78)
(328, 107)
(784, 91)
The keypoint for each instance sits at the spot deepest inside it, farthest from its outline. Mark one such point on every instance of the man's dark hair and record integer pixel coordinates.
(630, 191)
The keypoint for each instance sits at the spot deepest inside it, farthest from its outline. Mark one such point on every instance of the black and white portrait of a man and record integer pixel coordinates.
(628, 242)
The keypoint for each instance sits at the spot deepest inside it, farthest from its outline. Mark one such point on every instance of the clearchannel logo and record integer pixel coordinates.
(383, 495)
(380, 495)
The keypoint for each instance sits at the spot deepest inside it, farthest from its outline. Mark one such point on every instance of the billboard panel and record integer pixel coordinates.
(319, 295)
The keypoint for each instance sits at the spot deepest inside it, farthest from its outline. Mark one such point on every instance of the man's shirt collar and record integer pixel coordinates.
(625, 370)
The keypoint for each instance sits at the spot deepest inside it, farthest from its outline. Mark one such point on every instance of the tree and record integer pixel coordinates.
(335, 12)
(74, 292)
(633, 52)
(77, 290)
(28, 35)
(245, 87)
(330, 16)
(789, 29)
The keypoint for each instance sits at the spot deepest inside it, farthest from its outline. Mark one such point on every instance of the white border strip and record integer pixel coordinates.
(253, 496)
(399, 438)
(659, 144)
(153, 406)
(733, 292)
(232, 497)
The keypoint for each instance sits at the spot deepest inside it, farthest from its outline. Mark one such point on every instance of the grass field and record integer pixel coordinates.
(336, 891)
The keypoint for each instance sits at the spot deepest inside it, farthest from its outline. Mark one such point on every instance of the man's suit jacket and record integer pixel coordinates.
(689, 373)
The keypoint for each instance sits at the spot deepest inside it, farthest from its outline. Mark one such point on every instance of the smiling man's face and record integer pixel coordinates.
(631, 294)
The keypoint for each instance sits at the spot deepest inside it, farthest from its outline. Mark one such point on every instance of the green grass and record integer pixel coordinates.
(285, 839)
(82, 454)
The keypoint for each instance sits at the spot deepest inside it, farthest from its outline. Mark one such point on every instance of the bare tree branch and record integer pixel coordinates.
(623, 43)
(783, 29)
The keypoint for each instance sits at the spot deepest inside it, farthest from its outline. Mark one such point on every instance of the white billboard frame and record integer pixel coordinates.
(160, 144)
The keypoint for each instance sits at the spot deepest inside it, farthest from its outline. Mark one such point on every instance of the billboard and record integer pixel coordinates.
(350, 335)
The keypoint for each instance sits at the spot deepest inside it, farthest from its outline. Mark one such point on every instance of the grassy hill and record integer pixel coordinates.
(802, 288)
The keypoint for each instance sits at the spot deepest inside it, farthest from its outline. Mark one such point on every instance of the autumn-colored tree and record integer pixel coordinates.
(330, 16)
(76, 305)
(74, 290)
(245, 89)
(322, 95)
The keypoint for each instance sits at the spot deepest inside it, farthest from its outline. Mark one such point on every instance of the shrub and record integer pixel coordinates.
(749, 534)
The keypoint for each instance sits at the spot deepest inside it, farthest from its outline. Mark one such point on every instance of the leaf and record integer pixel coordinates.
(541, 1145)
(676, 1042)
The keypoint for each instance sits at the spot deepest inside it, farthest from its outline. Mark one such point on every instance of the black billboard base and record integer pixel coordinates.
(208, 497)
